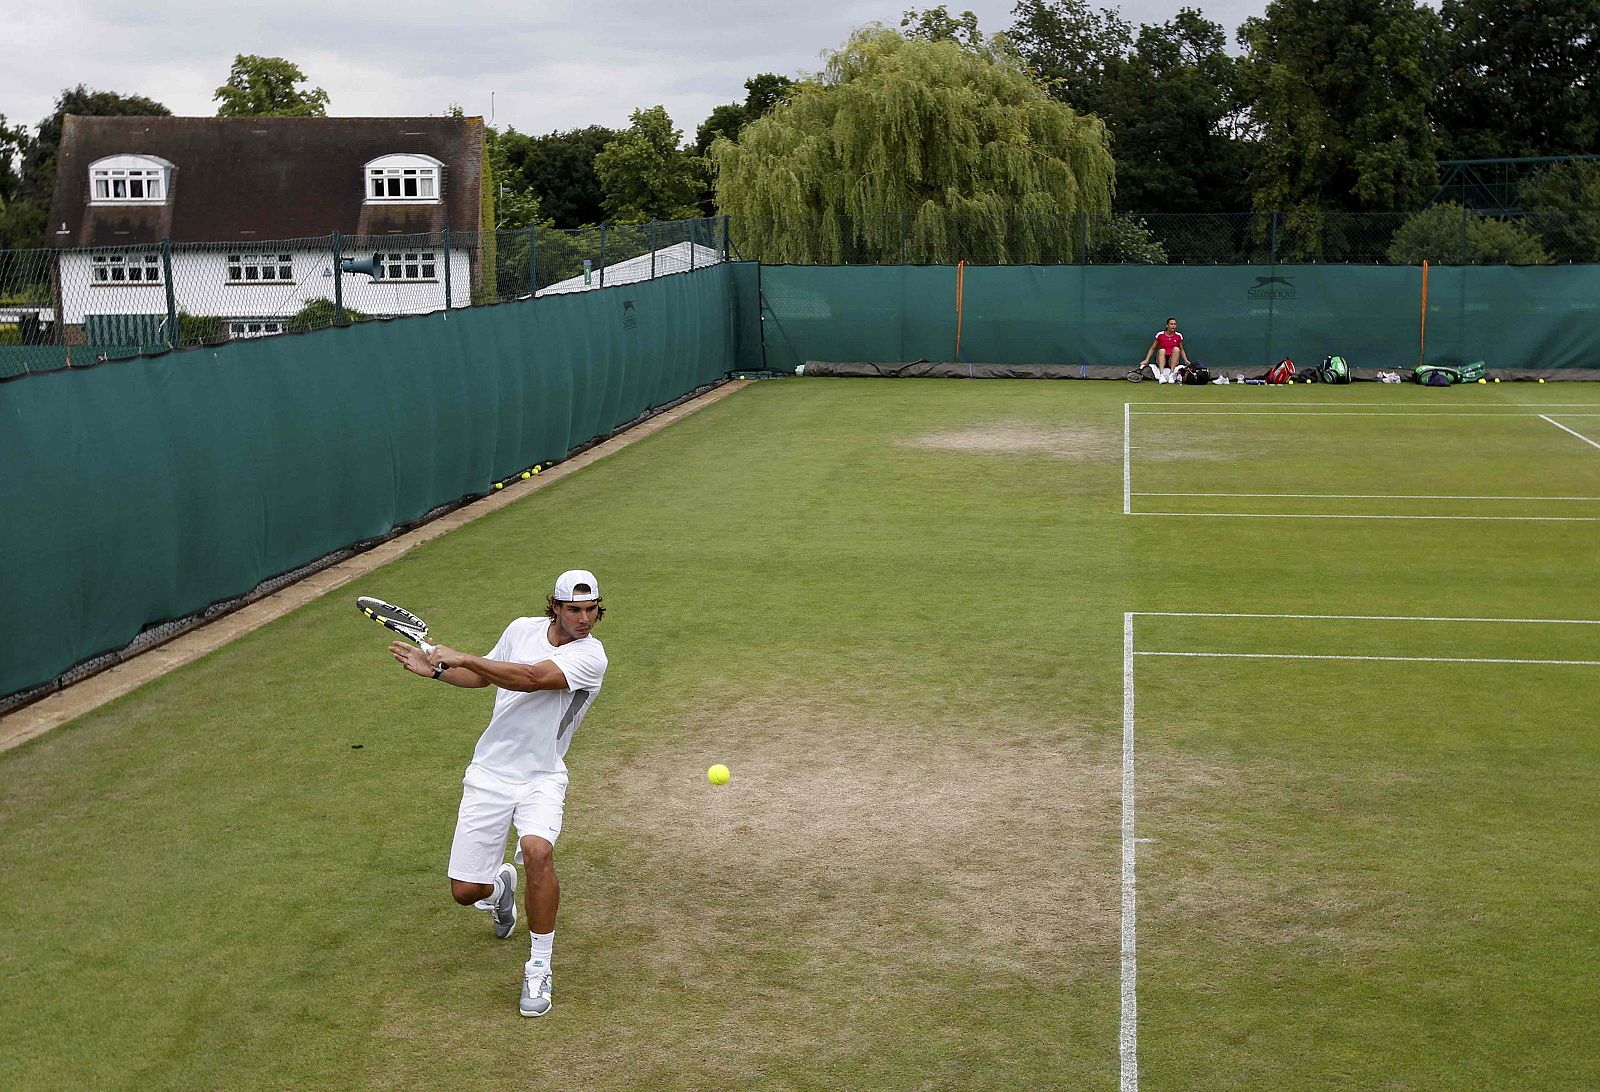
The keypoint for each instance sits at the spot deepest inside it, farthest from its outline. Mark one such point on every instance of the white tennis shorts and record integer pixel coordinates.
(489, 805)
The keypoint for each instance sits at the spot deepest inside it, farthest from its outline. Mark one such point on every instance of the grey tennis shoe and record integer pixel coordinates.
(504, 909)
(536, 989)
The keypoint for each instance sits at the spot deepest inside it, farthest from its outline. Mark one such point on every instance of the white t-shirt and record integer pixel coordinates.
(530, 732)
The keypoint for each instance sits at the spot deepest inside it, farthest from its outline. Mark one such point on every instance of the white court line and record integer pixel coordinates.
(1342, 515)
(1127, 465)
(1436, 409)
(1129, 1028)
(1370, 496)
(1128, 1031)
(1392, 659)
(1564, 428)
(1370, 617)
(1335, 413)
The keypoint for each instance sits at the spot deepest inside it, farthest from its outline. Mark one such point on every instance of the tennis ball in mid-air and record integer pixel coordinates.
(718, 774)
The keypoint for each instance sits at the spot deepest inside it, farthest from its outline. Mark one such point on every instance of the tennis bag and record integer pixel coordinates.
(1196, 374)
(1281, 372)
(1440, 375)
(1333, 369)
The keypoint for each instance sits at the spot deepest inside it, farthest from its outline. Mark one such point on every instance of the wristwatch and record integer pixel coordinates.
(439, 670)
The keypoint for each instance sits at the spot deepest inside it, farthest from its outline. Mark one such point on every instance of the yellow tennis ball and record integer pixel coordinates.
(1541, 381)
(1483, 381)
(718, 774)
(526, 474)
(1497, 379)
(499, 485)
(536, 470)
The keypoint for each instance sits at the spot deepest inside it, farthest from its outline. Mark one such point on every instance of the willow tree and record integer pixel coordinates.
(918, 150)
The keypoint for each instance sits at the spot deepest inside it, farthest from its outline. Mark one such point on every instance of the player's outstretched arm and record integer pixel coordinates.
(414, 660)
(544, 675)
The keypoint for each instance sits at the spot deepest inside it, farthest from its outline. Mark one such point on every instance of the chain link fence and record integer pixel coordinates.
(1443, 234)
(72, 308)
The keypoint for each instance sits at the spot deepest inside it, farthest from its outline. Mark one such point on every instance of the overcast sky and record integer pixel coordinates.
(556, 64)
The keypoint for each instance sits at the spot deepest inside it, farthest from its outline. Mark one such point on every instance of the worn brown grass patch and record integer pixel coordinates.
(1063, 441)
(881, 838)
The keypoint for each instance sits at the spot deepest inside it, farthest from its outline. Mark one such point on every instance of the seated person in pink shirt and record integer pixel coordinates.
(1168, 350)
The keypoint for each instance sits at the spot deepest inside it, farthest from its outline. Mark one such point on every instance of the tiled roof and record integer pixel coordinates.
(247, 179)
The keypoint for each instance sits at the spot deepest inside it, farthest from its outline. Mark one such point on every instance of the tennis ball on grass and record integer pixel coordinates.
(718, 774)
(1483, 381)
(1541, 381)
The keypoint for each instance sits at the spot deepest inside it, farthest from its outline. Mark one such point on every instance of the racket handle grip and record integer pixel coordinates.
(427, 649)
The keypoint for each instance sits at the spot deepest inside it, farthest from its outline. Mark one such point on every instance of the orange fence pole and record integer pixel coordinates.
(961, 277)
(1422, 346)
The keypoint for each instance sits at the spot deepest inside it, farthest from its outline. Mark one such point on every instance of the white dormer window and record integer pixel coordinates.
(129, 180)
(403, 180)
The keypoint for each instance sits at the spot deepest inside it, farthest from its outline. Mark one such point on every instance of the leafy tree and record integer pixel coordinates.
(1563, 209)
(938, 25)
(763, 93)
(13, 143)
(1072, 49)
(559, 171)
(961, 141)
(645, 173)
(515, 203)
(25, 216)
(1126, 239)
(1341, 93)
(1520, 78)
(265, 87)
(1174, 110)
(1435, 235)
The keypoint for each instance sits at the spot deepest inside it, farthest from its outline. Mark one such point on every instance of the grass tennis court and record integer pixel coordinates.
(935, 630)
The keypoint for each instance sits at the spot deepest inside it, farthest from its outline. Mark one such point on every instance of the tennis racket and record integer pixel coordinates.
(399, 619)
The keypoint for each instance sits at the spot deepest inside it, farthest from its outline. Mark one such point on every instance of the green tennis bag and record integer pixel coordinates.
(1333, 369)
(1441, 375)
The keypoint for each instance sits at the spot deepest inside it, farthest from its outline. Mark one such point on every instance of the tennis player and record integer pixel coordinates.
(546, 672)
(1168, 350)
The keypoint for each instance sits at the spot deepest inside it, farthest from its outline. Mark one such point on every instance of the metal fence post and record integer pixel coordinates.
(1463, 235)
(447, 300)
(693, 231)
(602, 253)
(1273, 254)
(724, 237)
(1083, 236)
(902, 238)
(652, 233)
(533, 260)
(338, 280)
(174, 335)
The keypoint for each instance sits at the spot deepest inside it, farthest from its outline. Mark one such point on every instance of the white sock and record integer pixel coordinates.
(488, 902)
(542, 948)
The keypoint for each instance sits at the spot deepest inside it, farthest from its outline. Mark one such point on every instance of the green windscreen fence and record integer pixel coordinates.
(1233, 317)
(144, 490)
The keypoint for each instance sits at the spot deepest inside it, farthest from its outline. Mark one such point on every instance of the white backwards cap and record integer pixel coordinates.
(568, 583)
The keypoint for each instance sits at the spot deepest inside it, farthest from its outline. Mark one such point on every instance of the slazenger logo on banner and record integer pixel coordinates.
(1271, 288)
(630, 318)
